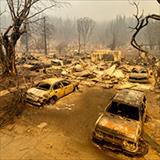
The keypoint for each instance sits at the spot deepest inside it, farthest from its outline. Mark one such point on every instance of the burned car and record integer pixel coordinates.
(49, 90)
(139, 75)
(121, 124)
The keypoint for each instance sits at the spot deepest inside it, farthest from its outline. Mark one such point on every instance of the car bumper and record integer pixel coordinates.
(139, 80)
(110, 142)
(33, 102)
(108, 138)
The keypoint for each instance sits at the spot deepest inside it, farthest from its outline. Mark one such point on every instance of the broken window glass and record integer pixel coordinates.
(57, 86)
(43, 86)
(124, 110)
(65, 83)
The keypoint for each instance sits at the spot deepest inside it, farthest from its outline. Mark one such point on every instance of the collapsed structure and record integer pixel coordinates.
(106, 55)
(103, 68)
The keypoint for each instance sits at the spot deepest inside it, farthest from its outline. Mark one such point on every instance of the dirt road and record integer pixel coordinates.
(66, 133)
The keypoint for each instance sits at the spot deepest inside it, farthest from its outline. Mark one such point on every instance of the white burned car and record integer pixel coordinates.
(50, 90)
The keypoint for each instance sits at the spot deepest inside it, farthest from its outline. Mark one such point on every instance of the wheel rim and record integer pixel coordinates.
(52, 101)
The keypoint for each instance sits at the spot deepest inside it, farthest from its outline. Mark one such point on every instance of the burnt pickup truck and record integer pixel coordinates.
(121, 124)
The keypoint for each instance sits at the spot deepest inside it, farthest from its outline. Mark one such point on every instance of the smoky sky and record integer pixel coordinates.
(99, 10)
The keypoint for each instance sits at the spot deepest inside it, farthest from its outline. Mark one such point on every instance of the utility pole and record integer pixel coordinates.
(26, 37)
(45, 37)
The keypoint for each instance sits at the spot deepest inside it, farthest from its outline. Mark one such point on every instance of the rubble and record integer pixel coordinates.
(106, 55)
(105, 85)
(25, 59)
(119, 74)
(78, 68)
(93, 70)
(110, 70)
(38, 66)
(68, 107)
(57, 62)
(135, 86)
(88, 83)
(86, 74)
(57, 72)
(42, 125)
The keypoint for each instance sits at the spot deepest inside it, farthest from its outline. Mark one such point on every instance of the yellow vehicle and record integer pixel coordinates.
(50, 90)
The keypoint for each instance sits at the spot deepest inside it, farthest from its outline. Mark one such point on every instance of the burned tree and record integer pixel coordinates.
(20, 12)
(141, 23)
(85, 28)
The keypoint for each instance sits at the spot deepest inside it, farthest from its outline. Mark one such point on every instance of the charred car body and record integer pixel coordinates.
(120, 126)
(49, 90)
(139, 75)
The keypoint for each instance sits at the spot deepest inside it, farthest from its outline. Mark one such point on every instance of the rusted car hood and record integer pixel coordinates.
(119, 127)
(36, 92)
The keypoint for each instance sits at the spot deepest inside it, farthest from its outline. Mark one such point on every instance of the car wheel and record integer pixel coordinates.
(53, 100)
(75, 88)
(142, 149)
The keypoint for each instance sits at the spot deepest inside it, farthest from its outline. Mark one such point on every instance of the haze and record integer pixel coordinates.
(99, 10)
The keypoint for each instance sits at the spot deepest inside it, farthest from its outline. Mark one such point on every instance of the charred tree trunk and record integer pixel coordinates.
(7, 48)
(10, 59)
(7, 57)
(20, 13)
(3, 60)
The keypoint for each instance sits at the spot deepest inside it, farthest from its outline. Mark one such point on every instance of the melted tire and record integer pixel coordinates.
(75, 88)
(142, 150)
(52, 100)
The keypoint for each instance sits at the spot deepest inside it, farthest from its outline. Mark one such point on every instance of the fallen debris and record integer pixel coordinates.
(42, 125)
(135, 86)
(57, 62)
(78, 68)
(110, 70)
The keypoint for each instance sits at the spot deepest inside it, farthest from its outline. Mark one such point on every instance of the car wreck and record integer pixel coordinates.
(121, 124)
(49, 91)
(139, 75)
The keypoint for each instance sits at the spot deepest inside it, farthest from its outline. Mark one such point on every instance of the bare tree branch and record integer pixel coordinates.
(141, 23)
(54, 5)
(20, 11)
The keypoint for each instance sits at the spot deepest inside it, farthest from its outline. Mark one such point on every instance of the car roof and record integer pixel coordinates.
(52, 80)
(129, 97)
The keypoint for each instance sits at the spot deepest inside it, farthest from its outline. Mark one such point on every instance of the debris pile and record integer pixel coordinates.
(87, 71)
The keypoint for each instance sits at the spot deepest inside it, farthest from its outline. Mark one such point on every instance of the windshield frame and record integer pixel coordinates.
(120, 103)
(43, 83)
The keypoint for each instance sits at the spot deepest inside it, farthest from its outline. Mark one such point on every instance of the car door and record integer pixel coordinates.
(68, 87)
(58, 90)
